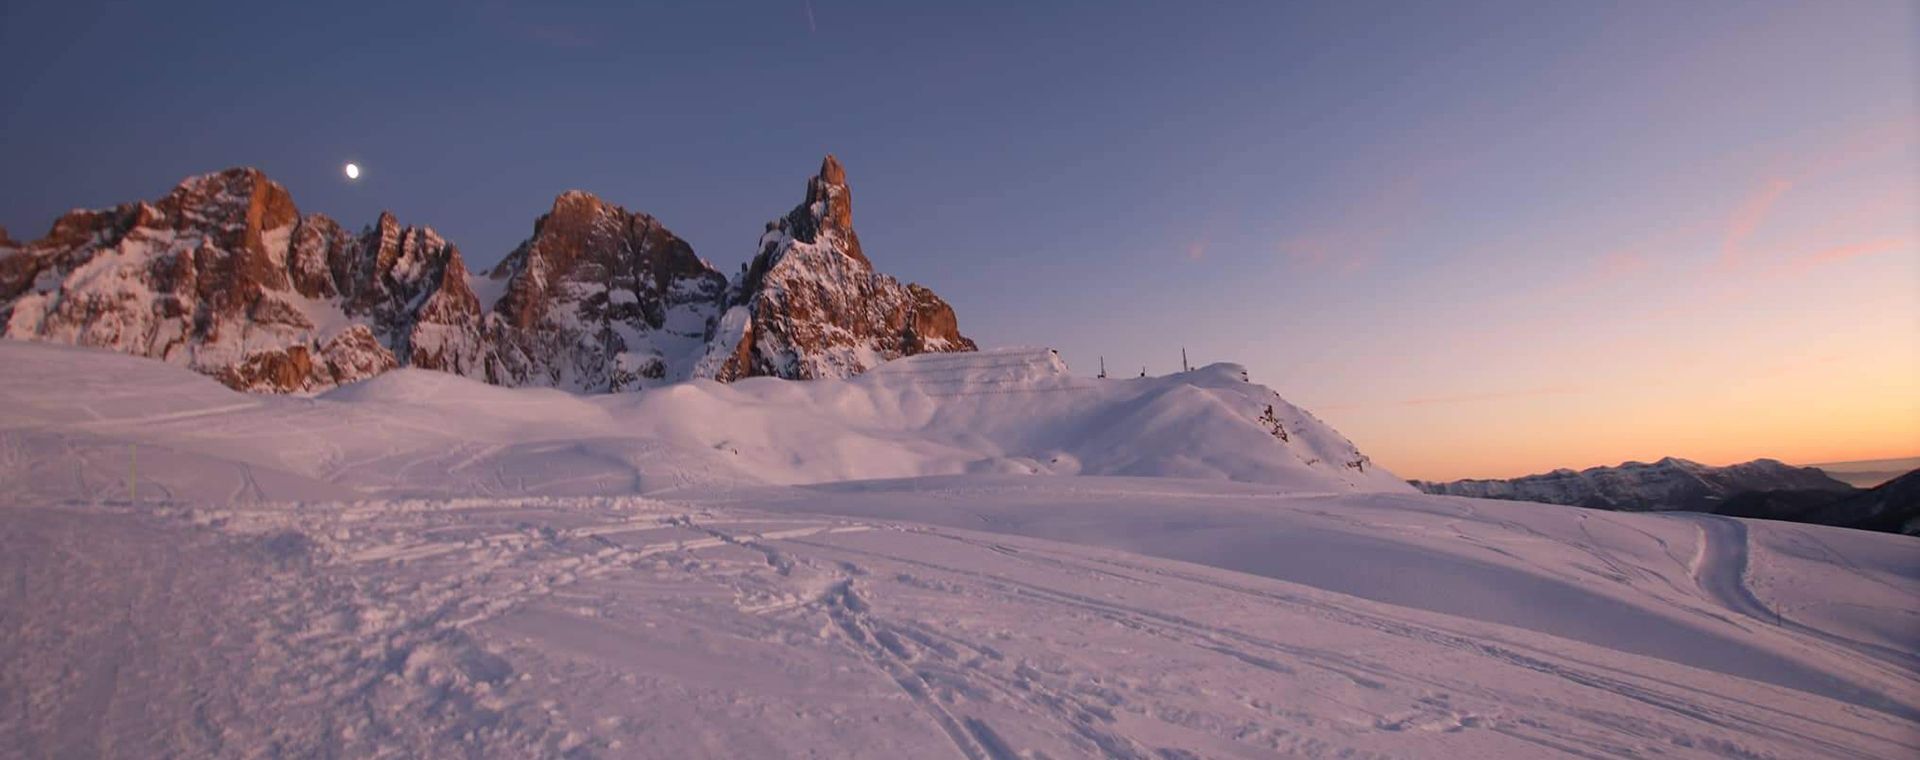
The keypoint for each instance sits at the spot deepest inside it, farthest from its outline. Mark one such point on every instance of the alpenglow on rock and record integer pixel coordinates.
(600, 299)
(810, 305)
(226, 277)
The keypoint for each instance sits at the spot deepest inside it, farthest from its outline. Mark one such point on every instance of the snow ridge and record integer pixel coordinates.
(416, 433)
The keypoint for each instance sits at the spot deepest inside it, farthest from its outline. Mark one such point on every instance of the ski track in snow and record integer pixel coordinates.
(424, 567)
(467, 617)
(1720, 566)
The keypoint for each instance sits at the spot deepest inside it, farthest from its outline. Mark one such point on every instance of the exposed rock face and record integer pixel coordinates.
(810, 304)
(412, 287)
(1670, 483)
(600, 299)
(225, 276)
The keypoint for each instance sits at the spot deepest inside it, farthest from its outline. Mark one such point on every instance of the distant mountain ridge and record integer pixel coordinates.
(1867, 473)
(225, 276)
(1669, 484)
(1892, 507)
(1763, 488)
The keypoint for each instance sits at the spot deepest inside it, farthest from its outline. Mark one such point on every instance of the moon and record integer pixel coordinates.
(353, 171)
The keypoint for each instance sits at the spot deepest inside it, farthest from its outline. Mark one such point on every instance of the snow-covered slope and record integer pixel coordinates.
(421, 565)
(1671, 483)
(411, 432)
(630, 627)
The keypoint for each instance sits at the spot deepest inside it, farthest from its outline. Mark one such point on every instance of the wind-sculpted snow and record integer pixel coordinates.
(418, 433)
(425, 566)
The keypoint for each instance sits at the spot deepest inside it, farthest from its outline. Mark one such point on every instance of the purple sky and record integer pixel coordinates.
(1480, 238)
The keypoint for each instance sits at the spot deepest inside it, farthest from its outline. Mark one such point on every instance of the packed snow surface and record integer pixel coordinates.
(980, 558)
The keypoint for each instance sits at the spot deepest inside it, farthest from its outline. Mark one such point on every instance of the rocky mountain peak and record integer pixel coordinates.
(240, 202)
(600, 298)
(225, 276)
(586, 245)
(831, 172)
(825, 219)
(387, 225)
(814, 306)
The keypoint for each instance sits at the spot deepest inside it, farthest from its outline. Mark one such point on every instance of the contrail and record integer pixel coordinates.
(810, 25)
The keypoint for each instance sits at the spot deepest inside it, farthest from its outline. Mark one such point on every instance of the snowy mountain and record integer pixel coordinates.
(1869, 472)
(224, 276)
(1670, 483)
(970, 555)
(810, 305)
(600, 299)
(1892, 506)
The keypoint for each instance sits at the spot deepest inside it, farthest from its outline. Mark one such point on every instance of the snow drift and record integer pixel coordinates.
(421, 433)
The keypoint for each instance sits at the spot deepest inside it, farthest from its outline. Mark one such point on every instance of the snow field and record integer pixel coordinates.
(952, 556)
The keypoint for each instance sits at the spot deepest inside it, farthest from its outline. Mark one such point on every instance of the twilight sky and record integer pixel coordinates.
(1481, 239)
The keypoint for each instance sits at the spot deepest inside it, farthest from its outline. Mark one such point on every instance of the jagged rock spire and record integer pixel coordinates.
(826, 213)
(224, 275)
(815, 307)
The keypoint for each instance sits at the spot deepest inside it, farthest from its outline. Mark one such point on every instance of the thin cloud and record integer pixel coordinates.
(1860, 147)
(1363, 231)
(1841, 253)
(1750, 216)
(1195, 242)
(1607, 269)
(1341, 251)
(1313, 252)
(1799, 264)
